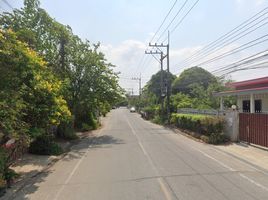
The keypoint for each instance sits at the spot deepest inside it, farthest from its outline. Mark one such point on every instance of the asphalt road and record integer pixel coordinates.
(133, 159)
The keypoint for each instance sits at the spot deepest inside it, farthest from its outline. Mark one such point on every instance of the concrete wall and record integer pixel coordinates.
(231, 129)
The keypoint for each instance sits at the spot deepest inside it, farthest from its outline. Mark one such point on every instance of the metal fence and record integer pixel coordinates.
(253, 128)
(198, 111)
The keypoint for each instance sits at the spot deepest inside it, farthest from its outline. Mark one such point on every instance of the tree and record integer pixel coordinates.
(154, 85)
(191, 77)
(30, 93)
(89, 84)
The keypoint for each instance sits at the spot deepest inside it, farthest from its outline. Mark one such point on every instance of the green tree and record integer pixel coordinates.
(30, 93)
(89, 84)
(191, 77)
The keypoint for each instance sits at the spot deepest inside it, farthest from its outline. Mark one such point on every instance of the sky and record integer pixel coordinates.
(125, 27)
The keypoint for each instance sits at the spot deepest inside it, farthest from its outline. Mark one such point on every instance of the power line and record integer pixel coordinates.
(142, 61)
(236, 50)
(161, 35)
(176, 26)
(236, 37)
(228, 34)
(164, 20)
(8, 4)
(255, 66)
(242, 62)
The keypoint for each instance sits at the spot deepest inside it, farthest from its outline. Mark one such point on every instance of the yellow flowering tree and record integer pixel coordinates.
(30, 94)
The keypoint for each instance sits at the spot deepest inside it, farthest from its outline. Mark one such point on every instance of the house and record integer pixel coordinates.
(249, 123)
(252, 95)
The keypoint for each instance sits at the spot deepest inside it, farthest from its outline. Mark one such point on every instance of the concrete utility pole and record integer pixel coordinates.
(161, 78)
(167, 78)
(138, 79)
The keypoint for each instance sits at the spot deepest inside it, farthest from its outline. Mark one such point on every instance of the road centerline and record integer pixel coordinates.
(163, 186)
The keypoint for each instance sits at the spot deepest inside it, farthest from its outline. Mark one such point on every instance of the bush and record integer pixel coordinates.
(151, 111)
(86, 127)
(7, 175)
(3, 170)
(86, 121)
(202, 124)
(157, 119)
(217, 138)
(66, 131)
(45, 145)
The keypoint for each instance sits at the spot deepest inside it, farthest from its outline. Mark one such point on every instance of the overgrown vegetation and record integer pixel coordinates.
(51, 81)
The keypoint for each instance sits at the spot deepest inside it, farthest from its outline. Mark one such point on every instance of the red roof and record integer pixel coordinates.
(243, 92)
(251, 82)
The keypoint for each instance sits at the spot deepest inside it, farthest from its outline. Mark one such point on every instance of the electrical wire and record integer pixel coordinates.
(229, 41)
(142, 61)
(182, 19)
(164, 20)
(243, 61)
(181, 8)
(256, 66)
(236, 50)
(8, 4)
(226, 36)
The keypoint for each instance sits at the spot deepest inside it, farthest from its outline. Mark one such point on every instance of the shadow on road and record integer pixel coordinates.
(31, 185)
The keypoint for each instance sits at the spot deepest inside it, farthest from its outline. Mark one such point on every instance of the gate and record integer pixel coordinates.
(253, 128)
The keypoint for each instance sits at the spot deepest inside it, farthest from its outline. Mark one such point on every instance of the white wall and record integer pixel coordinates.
(263, 97)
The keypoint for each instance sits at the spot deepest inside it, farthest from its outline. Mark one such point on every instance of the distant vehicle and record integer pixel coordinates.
(114, 107)
(132, 109)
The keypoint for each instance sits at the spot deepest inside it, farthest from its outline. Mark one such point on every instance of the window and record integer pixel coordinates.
(258, 106)
(246, 106)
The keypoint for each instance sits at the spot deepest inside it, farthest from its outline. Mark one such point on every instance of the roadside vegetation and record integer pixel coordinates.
(52, 84)
(193, 89)
(205, 127)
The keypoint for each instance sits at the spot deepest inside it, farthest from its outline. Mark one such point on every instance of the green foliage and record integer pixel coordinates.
(66, 130)
(154, 85)
(6, 174)
(180, 100)
(45, 145)
(3, 162)
(203, 124)
(193, 75)
(52, 75)
(30, 94)
(157, 119)
(151, 111)
(217, 138)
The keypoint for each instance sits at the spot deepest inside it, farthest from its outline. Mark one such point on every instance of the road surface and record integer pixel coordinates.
(133, 159)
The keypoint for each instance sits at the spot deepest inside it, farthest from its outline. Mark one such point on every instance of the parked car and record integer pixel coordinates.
(132, 109)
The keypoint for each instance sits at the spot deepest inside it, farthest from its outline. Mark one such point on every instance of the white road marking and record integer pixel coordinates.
(231, 169)
(244, 163)
(160, 180)
(73, 171)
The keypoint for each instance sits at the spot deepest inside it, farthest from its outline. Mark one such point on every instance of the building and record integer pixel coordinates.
(250, 123)
(252, 95)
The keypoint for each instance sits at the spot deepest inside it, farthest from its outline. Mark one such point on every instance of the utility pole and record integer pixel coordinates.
(167, 78)
(138, 79)
(168, 83)
(161, 79)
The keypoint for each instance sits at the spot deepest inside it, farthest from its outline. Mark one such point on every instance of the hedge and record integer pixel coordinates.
(206, 125)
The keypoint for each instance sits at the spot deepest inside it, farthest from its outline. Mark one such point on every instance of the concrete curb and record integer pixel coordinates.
(24, 181)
